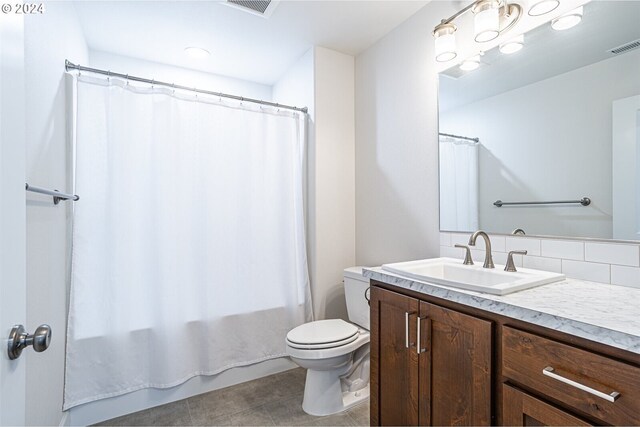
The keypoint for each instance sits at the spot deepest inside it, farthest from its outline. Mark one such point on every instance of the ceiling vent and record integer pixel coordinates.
(262, 8)
(625, 47)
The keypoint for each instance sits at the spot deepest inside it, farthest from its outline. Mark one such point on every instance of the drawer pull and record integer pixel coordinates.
(549, 371)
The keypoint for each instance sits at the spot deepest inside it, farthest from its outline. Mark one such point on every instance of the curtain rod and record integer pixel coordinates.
(68, 65)
(460, 137)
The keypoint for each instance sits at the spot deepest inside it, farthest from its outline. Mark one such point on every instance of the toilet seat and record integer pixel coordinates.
(322, 334)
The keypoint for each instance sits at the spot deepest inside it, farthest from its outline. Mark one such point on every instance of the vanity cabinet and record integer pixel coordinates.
(432, 365)
(437, 362)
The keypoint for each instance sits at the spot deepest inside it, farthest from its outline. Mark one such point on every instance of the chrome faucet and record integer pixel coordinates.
(488, 259)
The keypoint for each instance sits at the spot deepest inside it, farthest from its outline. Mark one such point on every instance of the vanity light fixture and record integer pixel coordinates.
(568, 20)
(491, 18)
(196, 52)
(470, 64)
(543, 7)
(513, 45)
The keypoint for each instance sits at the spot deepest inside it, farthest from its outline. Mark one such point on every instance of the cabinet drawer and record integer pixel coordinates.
(573, 376)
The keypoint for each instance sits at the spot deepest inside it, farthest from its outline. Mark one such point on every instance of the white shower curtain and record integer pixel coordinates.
(458, 184)
(188, 239)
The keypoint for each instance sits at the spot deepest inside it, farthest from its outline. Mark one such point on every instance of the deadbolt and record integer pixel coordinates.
(19, 339)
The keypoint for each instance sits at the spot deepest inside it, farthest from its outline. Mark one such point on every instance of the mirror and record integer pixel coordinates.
(557, 121)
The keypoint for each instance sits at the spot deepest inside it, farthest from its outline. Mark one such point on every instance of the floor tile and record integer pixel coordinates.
(289, 412)
(342, 419)
(360, 414)
(253, 417)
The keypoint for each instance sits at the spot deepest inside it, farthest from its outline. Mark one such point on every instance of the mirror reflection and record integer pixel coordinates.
(543, 135)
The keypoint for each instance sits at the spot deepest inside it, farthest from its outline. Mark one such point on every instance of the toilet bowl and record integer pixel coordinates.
(335, 353)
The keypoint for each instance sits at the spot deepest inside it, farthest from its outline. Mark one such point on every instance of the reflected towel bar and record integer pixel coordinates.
(585, 201)
(57, 196)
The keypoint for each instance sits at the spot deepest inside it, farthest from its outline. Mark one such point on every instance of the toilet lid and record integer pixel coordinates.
(323, 332)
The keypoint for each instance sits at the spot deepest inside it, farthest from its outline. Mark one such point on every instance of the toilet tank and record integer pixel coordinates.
(355, 286)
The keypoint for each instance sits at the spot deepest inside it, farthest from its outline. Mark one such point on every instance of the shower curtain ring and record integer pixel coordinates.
(109, 75)
(127, 79)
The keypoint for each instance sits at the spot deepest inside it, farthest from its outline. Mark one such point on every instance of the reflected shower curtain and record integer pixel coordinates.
(458, 184)
(188, 239)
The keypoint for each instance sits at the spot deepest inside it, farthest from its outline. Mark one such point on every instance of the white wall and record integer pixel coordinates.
(323, 80)
(170, 74)
(550, 140)
(334, 176)
(49, 40)
(397, 144)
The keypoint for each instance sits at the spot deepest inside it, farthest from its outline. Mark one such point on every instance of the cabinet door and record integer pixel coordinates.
(522, 409)
(455, 368)
(394, 360)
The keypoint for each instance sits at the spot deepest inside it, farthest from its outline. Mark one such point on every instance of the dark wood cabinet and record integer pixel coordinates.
(437, 362)
(429, 365)
(522, 409)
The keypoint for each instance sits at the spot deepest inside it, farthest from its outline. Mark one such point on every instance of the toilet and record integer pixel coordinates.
(335, 353)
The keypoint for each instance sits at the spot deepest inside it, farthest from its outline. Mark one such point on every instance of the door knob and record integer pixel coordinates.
(19, 339)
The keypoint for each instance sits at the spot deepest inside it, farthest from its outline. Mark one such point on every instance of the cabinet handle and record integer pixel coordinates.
(419, 348)
(406, 328)
(549, 371)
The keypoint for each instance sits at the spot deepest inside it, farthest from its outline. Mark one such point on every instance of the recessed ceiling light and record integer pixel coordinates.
(197, 52)
(513, 45)
(470, 64)
(543, 7)
(568, 20)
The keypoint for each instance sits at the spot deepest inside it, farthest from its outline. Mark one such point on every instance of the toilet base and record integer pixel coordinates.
(330, 399)
(328, 392)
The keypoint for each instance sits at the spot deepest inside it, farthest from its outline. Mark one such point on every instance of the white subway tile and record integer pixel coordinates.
(546, 264)
(449, 252)
(587, 271)
(532, 246)
(501, 258)
(460, 238)
(565, 249)
(609, 253)
(497, 243)
(625, 276)
(445, 239)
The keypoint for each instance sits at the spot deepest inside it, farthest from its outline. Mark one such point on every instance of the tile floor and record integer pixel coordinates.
(275, 400)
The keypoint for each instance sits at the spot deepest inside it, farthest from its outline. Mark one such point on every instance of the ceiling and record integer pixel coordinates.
(242, 45)
(546, 53)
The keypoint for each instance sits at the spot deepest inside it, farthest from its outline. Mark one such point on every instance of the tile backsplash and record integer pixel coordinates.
(615, 263)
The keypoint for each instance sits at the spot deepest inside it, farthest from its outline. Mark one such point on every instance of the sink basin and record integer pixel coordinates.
(451, 272)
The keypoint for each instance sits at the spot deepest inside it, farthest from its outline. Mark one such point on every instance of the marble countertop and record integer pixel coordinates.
(607, 314)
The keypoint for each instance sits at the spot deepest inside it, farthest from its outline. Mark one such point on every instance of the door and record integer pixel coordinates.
(455, 368)
(12, 214)
(394, 359)
(522, 409)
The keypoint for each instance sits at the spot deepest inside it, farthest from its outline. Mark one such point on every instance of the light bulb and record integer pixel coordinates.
(513, 45)
(543, 7)
(470, 64)
(568, 20)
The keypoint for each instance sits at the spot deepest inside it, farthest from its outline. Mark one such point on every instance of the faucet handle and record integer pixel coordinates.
(467, 256)
(510, 264)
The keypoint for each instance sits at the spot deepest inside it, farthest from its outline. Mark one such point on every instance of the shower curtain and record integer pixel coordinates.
(188, 240)
(458, 184)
